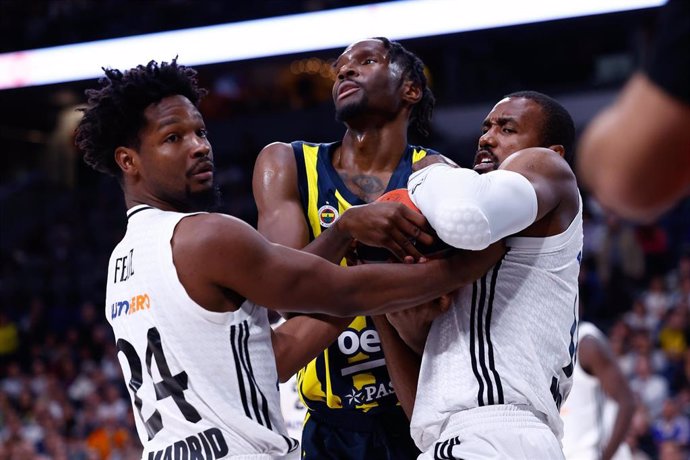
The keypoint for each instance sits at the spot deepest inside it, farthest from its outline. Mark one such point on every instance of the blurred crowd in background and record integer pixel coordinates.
(61, 390)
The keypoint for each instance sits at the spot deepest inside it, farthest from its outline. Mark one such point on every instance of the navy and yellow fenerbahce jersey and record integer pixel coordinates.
(350, 375)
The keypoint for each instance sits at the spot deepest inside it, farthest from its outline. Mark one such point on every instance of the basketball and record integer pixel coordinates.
(401, 196)
(371, 254)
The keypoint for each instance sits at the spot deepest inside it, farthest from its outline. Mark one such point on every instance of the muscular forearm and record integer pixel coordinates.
(332, 244)
(393, 292)
(313, 333)
(385, 288)
(402, 363)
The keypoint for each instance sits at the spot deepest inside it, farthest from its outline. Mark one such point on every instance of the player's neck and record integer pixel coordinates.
(372, 150)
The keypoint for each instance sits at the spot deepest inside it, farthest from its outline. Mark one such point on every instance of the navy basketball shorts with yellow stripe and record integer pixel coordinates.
(358, 436)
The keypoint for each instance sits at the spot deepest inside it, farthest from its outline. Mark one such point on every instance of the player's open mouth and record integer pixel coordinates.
(346, 88)
(484, 160)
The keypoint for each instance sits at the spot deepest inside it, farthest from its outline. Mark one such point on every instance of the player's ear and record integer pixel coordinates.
(559, 149)
(412, 93)
(127, 159)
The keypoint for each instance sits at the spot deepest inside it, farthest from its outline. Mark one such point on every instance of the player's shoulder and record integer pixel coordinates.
(286, 151)
(209, 228)
(538, 155)
(585, 329)
(543, 163)
(276, 156)
(276, 148)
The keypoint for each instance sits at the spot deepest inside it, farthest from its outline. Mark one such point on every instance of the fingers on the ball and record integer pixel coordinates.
(425, 239)
(414, 231)
(413, 216)
(406, 247)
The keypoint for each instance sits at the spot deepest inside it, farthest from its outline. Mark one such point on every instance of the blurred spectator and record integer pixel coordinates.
(671, 425)
(657, 299)
(671, 450)
(652, 388)
(673, 335)
(620, 266)
(638, 318)
(641, 344)
(113, 407)
(639, 436)
(109, 439)
(680, 271)
(681, 293)
(9, 336)
(653, 240)
(13, 380)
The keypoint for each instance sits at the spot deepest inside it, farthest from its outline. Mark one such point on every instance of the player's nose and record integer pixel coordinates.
(347, 69)
(201, 148)
(487, 140)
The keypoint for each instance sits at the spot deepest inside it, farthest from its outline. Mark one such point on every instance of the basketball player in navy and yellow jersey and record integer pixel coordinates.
(303, 188)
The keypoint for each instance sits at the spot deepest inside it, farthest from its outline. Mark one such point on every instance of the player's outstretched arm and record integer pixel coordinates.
(217, 251)
(634, 156)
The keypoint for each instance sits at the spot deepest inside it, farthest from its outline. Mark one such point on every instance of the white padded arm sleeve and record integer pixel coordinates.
(470, 210)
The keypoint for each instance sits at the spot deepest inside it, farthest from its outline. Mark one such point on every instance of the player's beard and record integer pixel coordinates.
(352, 110)
(208, 200)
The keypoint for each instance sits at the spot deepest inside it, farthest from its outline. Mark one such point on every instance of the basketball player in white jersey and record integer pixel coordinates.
(197, 354)
(597, 377)
(498, 364)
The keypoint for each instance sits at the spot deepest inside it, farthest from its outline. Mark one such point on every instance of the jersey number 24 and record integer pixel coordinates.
(172, 386)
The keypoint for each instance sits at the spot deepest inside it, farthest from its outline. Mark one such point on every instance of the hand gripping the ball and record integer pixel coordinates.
(415, 240)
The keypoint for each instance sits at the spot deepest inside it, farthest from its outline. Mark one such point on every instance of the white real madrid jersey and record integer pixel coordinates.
(203, 384)
(509, 338)
(582, 413)
(588, 414)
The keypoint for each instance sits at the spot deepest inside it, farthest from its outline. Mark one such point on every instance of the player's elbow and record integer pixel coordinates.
(463, 225)
(479, 210)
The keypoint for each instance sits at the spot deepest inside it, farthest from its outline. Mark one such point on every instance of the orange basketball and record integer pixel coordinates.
(369, 254)
(401, 196)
